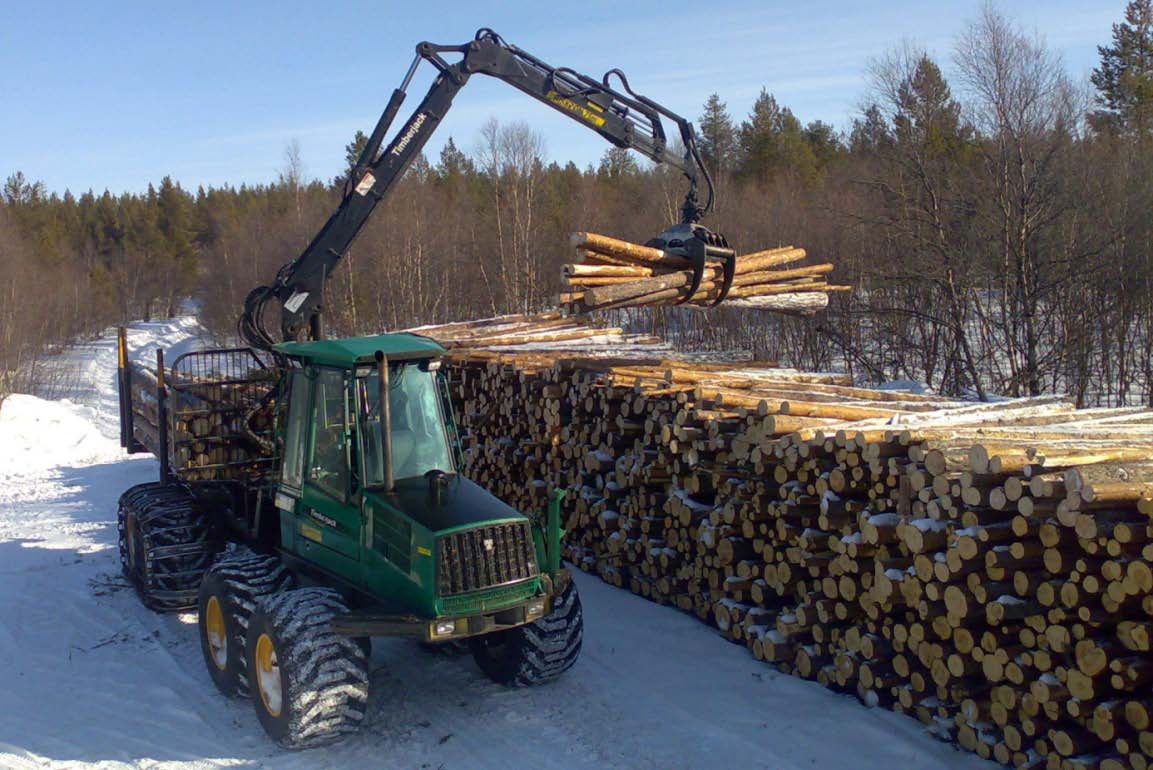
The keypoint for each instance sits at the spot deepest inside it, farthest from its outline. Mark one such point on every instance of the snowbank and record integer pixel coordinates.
(37, 435)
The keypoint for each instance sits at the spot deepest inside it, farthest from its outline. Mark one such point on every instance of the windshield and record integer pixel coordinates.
(419, 442)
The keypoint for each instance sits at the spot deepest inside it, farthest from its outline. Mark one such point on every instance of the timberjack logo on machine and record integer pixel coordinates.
(568, 104)
(417, 122)
(328, 521)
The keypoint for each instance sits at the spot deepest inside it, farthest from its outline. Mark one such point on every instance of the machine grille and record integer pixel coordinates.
(485, 557)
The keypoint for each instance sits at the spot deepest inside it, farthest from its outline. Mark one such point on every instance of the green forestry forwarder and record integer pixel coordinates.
(355, 522)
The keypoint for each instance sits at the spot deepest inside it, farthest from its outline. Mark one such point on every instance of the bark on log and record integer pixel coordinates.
(799, 303)
(625, 250)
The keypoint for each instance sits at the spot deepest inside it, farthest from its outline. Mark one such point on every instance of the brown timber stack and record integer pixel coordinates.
(615, 274)
(985, 568)
(218, 430)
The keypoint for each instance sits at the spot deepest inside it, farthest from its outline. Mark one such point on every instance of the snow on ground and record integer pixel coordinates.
(911, 386)
(92, 679)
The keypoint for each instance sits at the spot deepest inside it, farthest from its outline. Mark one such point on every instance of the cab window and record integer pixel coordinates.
(419, 440)
(300, 392)
(329, 469)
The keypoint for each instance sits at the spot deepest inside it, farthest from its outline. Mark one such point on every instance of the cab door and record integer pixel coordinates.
(326, 526)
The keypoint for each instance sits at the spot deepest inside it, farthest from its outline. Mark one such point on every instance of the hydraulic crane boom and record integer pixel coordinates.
(623, 117)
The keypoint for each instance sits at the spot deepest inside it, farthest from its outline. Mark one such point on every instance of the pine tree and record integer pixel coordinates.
(17, 190)
(758, 149)
(718, 137)
(771, 141)
(870, 133)
(140, 278)
(617, 163)
(453, 163)
(353, 149)
(105, 234)
(1124, 81)
(174, 220)
(824, 142)
(927, 114)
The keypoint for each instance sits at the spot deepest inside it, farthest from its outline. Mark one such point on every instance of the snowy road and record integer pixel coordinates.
(93, 679)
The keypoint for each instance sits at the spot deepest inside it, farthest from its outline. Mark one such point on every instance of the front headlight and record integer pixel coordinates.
(534, 609)
(443, 628)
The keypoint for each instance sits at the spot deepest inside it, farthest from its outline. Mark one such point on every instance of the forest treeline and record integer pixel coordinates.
(997, 223)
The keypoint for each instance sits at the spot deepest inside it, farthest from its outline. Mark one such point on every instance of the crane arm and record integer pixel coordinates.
(620, 115)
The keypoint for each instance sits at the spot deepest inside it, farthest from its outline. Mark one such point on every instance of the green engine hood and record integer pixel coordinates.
(462, 503)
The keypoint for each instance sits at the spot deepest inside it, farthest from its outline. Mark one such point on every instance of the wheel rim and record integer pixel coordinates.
(268, 675)
(216, 633)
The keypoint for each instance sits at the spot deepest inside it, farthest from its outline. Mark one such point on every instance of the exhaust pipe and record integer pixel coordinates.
(385, 420)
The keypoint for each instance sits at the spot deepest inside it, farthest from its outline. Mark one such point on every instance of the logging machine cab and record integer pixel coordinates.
(369, 494)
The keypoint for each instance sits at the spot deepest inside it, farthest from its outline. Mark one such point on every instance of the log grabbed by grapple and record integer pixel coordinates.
(614, 274)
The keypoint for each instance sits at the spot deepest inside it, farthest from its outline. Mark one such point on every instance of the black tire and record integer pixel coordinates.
(166, 545)
(228, 596)
(319, 676)
(536, 653)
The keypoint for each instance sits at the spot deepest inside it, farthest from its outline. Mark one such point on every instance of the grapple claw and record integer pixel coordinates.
(698, 244)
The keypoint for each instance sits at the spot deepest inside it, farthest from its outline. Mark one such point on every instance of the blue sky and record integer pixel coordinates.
(117, 94)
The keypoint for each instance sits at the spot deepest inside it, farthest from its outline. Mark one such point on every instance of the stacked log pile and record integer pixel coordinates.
(218, 429)
(985, 568)
(615, 274)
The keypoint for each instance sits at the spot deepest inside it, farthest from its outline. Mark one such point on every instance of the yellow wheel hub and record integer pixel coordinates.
(216, 633)
(268, 675)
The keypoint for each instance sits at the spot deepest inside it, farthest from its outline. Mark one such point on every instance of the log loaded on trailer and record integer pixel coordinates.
(309, 495)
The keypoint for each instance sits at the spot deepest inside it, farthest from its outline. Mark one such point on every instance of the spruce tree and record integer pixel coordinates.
(1124, 81)
(718, 138)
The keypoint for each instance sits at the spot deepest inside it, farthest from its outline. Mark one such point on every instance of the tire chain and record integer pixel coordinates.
(176, 545)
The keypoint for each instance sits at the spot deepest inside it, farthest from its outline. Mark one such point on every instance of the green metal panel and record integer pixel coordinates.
(338, 523)
(399, 563)
(362, 350)
(463, 504)
(288, 525)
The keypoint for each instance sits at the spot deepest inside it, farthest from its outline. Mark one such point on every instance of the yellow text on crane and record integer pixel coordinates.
(568, 104)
